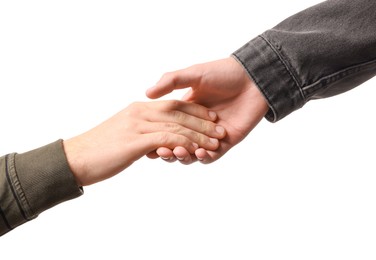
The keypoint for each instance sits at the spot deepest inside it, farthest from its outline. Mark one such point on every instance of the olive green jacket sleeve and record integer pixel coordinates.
(32, 182)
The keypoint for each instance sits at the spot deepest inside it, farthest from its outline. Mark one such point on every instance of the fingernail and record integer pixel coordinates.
(212, 115)
(195, 145)
(219, 129)
(180, 158)
(166, 158)
(213, 140)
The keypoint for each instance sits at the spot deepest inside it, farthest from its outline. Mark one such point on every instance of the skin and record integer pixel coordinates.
(223, 86)
(139, 129)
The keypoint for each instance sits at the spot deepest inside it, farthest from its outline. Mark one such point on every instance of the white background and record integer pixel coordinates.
(302, 188)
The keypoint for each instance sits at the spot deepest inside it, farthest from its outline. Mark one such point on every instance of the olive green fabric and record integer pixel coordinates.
(32, 182)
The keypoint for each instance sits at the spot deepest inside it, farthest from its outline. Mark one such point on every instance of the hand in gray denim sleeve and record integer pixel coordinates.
(322, 51)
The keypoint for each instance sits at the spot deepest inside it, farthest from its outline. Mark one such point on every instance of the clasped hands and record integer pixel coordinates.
(224, 87)
(222, 106)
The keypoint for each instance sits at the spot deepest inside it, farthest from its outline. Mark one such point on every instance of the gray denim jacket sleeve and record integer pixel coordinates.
(322, 51)
(32, 182)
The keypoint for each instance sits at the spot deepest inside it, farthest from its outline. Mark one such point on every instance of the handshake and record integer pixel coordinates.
(222, 106)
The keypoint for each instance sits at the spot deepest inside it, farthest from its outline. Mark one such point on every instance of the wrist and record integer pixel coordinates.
(259, 99)
(256, 95)
(75, 161)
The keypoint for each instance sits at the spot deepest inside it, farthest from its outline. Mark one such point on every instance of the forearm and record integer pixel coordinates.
(322, 51)
(33, 182)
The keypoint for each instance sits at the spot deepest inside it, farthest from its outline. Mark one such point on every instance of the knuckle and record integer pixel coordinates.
(177, 116)
(205, 126)
(171, 140)
(172, 105)
(171, 127)
(134, 108)
(194, 136)
(162, 138)
(168, 76)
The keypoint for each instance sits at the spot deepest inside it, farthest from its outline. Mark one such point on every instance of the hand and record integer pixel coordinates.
(222, 86)
(137, 130)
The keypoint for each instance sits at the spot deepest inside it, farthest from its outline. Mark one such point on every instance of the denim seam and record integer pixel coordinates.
(18, 190)
(286, 65)
(325, 81)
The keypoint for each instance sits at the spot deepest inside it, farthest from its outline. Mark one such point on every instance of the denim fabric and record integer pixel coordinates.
(319, 52)
(322, 51)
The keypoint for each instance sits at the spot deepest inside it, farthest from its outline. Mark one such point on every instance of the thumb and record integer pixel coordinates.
(170, 81)
(189, 97)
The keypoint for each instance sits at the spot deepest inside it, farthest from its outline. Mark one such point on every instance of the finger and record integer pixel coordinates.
(188, 96)
(174, 80)
(189, 108)
(166, 154)
(205, 156)
(198, 125)
(201, 140)
(154, 110)
(182, 154)
(168, 140)
(169, 118)
(152, 155)
(156, 154)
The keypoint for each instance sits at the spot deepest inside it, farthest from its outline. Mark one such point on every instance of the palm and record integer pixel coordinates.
(233, 105)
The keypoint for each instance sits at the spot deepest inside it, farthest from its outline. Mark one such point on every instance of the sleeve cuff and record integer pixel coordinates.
(271, 73)
(43, 179)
